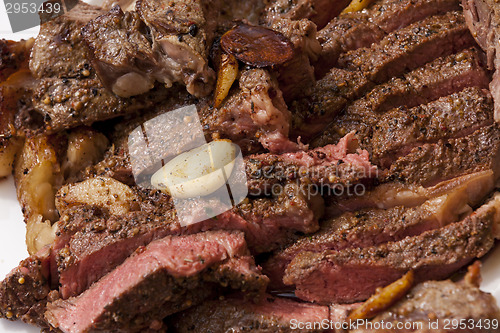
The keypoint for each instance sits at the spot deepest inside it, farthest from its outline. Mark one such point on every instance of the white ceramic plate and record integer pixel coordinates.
(12, 228)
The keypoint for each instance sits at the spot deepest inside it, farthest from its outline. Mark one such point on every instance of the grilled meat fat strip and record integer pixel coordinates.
(354, 274)
(350, 31)
(172, 273)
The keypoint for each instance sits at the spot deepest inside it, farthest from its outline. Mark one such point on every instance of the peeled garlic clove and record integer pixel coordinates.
(198, 172)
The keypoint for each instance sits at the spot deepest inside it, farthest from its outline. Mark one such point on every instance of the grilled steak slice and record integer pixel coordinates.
(233, 314)
(410, 47)
(296, 76)
(439, 78)
(14, 56)
(482, 19)
(354, 30)
(373, 226)
(457, 115)
(328, 98)
(441, 301)
(256, 113)
(121, 53)
(333, 165)
(172, 273)
(318, 11)
(354, 274)
(59, 49)
(435, 162)
(182, 33)
(66, 103)
(90, 244)
(24, 292)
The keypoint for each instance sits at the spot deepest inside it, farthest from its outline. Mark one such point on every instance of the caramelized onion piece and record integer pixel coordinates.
(356, 6)
(227, 73)
(383, 298)
(257, 46)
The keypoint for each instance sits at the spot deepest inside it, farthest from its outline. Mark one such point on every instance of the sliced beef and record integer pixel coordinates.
(457, 115)
(296, 76)
(328, 98)
(354, 274)
(255, 113)
(354, 30)
(24, 291)
(435, 79)
(439, 78)
(332, 165)
(14, 56)
(90, 244)
(59, 50)
(441, 301)
(435, 162)
(182, 32)
(66, 103)
(234, 314)
(172, 273)
(482, 19)
(318, 11)
(372, 226)
(410, 47)
(121, 52)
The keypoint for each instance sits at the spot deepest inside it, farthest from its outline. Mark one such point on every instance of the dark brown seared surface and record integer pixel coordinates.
(234, 314)
(441, 301)
(354, 30)
(439, 78)
(400, 130)
(183, 31)
(118, 45)
(365, 228)
(353, 274)
(14, 56)
(328, 98)
(434, 162)
(59, 49)
(66, 103)
(172, 274)
(318, 11)
(24, 292)
(410, 47)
